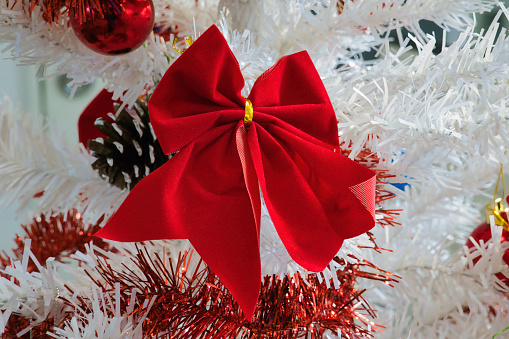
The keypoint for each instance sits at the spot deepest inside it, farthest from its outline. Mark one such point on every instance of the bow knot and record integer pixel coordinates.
(209, 192)
(248, 116)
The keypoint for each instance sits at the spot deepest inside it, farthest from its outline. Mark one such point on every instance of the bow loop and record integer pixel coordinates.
(291, 91)
(200, 91)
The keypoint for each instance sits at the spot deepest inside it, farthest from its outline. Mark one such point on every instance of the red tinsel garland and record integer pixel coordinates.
(52, 236)
(18, 323)
(53, 9)
(196, 305)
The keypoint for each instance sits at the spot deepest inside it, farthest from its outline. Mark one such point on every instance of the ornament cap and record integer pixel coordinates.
(499, 210)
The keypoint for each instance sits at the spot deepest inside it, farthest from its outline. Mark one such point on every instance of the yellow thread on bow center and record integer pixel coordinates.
(248, 117)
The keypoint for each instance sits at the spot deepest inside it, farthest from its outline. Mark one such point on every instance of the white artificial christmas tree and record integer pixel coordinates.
(434, 122)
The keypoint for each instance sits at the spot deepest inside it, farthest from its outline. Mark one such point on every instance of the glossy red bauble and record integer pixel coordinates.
(483, 232)
(121, 29)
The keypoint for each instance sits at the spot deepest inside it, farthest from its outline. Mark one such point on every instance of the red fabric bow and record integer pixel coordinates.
(209, 191)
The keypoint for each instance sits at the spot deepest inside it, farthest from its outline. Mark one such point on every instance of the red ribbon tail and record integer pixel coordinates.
(251, 181)
(249, 172)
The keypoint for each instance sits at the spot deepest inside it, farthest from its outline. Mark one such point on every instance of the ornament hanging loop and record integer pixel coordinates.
(500, 177)
(189, 42)
(496, 207)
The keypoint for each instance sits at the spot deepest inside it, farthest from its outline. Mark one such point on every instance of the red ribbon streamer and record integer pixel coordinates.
(209, 191)
(97, 108)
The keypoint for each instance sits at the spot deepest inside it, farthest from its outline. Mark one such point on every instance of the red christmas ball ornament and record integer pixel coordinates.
(483, 232)
(116, 28)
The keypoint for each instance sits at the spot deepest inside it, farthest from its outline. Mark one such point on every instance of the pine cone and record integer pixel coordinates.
(131, 150)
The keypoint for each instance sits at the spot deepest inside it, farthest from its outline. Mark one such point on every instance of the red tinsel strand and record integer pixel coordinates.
(52, 236)
(18, 323)
(53, 9)
(192, 305)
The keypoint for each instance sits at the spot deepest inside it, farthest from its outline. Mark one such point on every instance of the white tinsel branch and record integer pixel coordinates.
(31, 40)
(36, 166)
(314, 26)
(442, 292)
(37, 295)
(459, 96)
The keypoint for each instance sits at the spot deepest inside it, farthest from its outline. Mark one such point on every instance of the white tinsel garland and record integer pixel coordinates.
(36, 295)
(353, 26)
(31, 40)
(442, 293)
(35, 161)
(284, 26)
